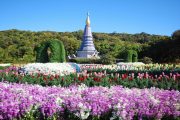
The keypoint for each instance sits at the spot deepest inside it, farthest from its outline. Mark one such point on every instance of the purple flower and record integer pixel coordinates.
(16, 100)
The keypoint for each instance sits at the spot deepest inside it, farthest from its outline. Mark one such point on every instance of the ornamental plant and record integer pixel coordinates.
(131, 56)
(50, 51)
(127, 79)
(24, 102)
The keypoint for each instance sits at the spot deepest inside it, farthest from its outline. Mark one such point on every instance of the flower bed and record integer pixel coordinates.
(165, 80)
(22, 101)
(49, 68)
(128, 66)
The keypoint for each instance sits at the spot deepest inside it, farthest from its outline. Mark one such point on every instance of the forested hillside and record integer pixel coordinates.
(18, 46)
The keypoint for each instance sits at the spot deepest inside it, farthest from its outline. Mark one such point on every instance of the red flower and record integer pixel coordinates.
(115, 78)
(159, 78)
(85, 77)
(97, 79)
(32, 76)
(81, 78)
(124, 76)
(38, 75)
(44, 78)
(130, 78)
(52, 77)
(56, 76)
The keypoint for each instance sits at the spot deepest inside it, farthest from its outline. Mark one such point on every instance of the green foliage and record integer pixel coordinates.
(131, 56)
(2, 53)
(135, 57)
(176, 35)
(107, 59)
(41, 52)
(50, 51)
(128, 56)
(62, 53)
(71, 43)
(17, 46)
(3, 67)
(85, 61)
(165, 51)
(147, 60)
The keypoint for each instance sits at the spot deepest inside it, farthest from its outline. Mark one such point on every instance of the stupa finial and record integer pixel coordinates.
(87, 19)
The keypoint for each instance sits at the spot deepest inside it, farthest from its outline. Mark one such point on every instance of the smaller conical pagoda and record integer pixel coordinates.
(87, 49)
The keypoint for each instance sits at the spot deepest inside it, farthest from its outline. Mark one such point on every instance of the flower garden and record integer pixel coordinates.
(69, 91)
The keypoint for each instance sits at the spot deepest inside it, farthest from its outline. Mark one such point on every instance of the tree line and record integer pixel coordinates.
(18, 46)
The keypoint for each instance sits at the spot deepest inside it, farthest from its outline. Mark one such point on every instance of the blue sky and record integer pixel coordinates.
(122, 16)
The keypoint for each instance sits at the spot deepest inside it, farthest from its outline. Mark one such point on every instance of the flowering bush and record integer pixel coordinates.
(22, 101)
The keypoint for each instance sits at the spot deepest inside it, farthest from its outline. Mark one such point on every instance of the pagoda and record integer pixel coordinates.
(87, 49)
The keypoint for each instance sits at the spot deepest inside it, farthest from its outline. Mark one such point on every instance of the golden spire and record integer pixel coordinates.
(88, 20)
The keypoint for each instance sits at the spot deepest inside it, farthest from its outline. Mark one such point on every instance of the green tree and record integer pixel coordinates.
(108, 59)
(176, 35)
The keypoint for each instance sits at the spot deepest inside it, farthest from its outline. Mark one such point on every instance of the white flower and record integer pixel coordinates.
(153, 99)
(80, 105)
(82, 87)
(49, 68)
(59, 101)
(84, 114)
(177, 106)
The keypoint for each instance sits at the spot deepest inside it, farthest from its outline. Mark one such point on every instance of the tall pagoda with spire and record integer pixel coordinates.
(87, 49)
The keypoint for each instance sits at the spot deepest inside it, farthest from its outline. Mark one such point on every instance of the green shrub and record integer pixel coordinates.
(147, 60)
(107, 59)
(128, 56)
(50, 51)
(41, 53)
(63, 52)
(131, 56)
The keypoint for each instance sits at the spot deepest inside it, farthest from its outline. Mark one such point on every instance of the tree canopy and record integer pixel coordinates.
(18, 45)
